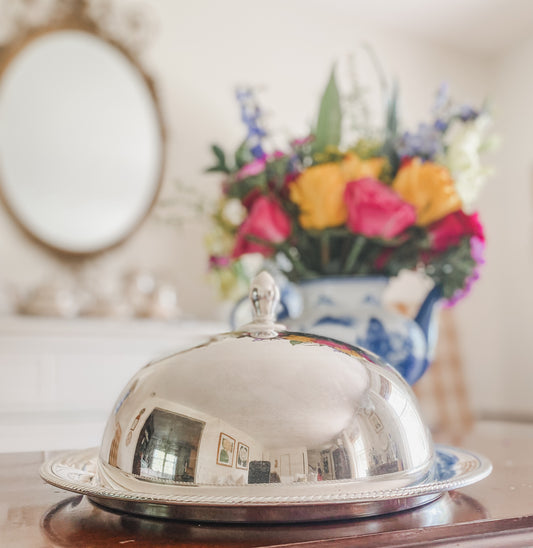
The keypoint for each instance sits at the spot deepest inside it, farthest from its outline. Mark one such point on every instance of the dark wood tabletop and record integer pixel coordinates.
(498, 511)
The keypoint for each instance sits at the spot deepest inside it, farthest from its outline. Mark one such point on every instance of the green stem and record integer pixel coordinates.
(354, 254)
(285, 249)
(297, 265)
(324, 251)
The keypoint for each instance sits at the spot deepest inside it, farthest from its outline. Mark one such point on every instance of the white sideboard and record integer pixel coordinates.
(59, 378)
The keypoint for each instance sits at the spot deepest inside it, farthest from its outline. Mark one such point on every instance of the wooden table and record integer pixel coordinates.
(495, 512)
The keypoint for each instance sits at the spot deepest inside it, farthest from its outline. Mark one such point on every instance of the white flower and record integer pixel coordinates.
(233, 211)
(464, 144)
(469, 184)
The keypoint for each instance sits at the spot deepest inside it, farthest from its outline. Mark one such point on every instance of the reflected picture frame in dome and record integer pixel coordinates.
(226, 450)
(243, 453)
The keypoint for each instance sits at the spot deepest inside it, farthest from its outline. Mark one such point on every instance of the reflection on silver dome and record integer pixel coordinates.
(265, 406)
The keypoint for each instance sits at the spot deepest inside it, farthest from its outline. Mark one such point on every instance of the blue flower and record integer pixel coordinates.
(251, 116)
(425, 143)
(442, 98)
(441, 125)
(445, 110)
(467, 113)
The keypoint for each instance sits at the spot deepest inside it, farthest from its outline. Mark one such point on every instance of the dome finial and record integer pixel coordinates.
(264, 296)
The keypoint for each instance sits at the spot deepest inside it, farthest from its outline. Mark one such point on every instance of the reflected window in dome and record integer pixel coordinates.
(167, 447)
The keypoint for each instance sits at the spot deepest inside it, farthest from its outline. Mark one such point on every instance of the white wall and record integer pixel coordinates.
(499, 317)
(202, 49)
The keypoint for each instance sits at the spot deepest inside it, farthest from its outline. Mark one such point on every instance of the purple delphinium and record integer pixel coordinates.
(425, 143)
(441, 125)
(442, 98)
(301, 156)
(445, 111)
(441, 108)
(251, 117)
(467, 113)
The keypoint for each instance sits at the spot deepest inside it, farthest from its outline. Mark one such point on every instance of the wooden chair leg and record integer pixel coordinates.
(442, 391)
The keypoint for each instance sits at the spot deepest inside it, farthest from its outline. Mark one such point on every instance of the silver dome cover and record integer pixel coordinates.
(264, 412)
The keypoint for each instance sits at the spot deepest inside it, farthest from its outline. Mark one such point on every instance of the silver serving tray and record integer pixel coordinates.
(454, 468)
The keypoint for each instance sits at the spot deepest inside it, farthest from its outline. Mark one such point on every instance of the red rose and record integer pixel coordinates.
(449, 230)
(266, 221)
(375, 210)
(405, 161)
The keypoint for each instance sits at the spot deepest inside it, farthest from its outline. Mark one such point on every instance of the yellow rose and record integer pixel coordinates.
(429, 188)
(354, 168)
(319, 190)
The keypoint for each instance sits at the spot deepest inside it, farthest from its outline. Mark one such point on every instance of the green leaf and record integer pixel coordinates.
(220, 166)
(217, 169)
(240, 189)
(243, 155)
(452, 268)
(277, 170)
(355, 251)
(328, 127)
(391, 122)
(219, 153)
(391, 126)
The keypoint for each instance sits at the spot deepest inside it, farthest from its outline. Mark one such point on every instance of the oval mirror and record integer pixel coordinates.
(81, 141)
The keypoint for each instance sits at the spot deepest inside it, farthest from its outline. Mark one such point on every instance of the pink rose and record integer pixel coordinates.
(302, 141)
(253, 168)
(219, 261)
(266, 221)
(449, 230)
(258, 165)
(375, 210)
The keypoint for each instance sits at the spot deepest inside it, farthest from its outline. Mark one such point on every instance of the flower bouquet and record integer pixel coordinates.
(388, 201)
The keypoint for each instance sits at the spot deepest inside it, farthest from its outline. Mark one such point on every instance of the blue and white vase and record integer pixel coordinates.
(351, 310)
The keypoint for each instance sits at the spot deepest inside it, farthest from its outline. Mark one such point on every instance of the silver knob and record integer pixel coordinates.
(264, 296)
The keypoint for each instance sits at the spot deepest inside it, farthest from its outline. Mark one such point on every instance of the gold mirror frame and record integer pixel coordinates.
(82, 15)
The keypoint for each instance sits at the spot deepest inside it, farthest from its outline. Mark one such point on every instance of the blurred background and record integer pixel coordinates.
(194, 55)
